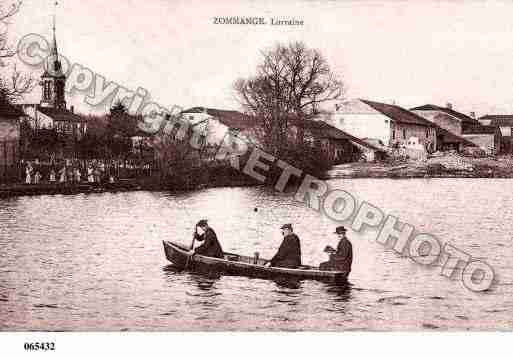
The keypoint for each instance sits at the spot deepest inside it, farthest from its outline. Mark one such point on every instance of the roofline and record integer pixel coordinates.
(428, 124)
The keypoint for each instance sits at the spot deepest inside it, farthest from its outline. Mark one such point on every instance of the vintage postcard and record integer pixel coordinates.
(325, 166)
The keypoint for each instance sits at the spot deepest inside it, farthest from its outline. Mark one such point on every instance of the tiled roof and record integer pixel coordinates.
(452, 138)
(231, 119)
(323, 130)
(235, 119)
(398, 114)
(499, 120)
(462, 117)
(61, 114)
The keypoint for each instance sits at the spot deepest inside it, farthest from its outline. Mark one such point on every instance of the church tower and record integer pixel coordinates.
(53, 79)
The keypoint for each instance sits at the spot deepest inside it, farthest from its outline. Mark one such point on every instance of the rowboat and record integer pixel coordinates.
(239, 265)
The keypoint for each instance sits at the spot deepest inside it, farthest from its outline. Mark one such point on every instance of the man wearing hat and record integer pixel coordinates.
(210, 246)
(289, 253)
(342, 258)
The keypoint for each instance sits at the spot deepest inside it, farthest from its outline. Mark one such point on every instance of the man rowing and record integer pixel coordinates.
(341, 258)
(211, 246)
(289, 253)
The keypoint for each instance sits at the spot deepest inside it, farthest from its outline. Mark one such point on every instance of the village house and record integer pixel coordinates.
(487, 138)
(213, 127)
(9, 140)
(460, 129)
(338, 146)
(215, 124)
(51, 113)
(505, 124)
(446, 117)
(390, 125)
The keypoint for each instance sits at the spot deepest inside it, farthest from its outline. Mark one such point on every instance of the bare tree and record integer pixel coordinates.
(6, 14)
(16, 84)
(291, 82)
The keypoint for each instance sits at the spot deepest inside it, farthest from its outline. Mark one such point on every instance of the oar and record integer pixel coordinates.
(192, 245)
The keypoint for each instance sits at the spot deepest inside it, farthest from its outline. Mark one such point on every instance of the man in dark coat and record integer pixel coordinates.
(289, 253)
(210, 246)
(342, 258)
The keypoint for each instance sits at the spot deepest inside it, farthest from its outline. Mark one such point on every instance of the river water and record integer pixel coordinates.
(95, 262)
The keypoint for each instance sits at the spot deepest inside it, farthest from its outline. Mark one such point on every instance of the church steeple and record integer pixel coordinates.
(54, 43)
(53, 79)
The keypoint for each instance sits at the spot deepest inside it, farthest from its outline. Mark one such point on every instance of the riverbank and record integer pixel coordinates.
(17, 189)
(445, 165)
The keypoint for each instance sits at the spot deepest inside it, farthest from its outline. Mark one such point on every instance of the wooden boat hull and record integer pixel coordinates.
(233, 264)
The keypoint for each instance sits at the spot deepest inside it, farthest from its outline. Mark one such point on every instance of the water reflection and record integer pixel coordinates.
(340, 293)
(204, 282)
(103, 257)
(289, 283)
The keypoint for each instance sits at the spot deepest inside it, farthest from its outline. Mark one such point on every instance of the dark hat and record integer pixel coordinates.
(340, 229)
(287, 226)
(202, 223)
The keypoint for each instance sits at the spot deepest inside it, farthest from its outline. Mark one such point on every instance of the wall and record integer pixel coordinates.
(361, 120)
(484, 141)
(412, 132)
(484, 122)
(442, 119)
(37, 119)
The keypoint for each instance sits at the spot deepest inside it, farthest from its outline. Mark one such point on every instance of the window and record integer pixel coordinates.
(427, 132)
(393, 134)
(46, 90)
(404, 133)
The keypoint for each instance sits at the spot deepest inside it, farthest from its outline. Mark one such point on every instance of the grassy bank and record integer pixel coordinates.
(446, 165)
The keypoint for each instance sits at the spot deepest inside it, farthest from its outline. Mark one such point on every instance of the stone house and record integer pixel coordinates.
(445, 117)
(391, 125)
(461, 129)
(505, 125)
(488, 138)
(215, 124)
(337, 145)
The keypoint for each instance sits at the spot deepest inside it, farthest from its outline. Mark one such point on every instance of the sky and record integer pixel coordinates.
(410, 53)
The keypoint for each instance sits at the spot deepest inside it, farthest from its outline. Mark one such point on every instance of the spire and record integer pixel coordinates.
(54, 44)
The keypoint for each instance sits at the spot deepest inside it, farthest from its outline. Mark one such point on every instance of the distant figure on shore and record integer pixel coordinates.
(78, 175)
(28, 173)
(37, 177)
(289, 253)
(62, 175)
(90, 175)
(97, 174)
(52, 176)
(341, 259)
(211, 246)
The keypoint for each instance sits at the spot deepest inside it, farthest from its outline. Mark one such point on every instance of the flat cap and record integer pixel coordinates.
(287, 226)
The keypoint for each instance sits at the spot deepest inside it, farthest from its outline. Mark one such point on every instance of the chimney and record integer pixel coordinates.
(473, 114)
(72, 109)
(449, 105)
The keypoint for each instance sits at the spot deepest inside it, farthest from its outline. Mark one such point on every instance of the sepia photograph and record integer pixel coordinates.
(243, 166)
